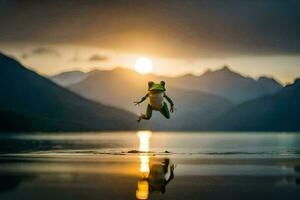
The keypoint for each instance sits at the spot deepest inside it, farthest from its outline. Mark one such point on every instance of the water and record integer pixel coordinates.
(269, 145)
(150, 165)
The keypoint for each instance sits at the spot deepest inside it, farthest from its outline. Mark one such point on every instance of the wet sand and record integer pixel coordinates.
(117, 177)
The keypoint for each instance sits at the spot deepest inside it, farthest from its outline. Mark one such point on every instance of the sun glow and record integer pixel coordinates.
(143, 65)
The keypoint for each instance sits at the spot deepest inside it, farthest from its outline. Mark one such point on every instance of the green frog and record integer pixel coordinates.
(156, 94)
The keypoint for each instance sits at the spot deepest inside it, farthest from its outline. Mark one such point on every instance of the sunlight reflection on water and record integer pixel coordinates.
(138, 162)
(142, 191)
(182, 144)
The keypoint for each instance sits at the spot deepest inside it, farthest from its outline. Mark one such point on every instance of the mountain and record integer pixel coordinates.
(222, 82)
(228, 84)
(269, 84)
(267, 107)
(41, 105)
(277, 112)
(11, 121)
(71, 77)
(120, 87)
(116, 87)
(68, 78)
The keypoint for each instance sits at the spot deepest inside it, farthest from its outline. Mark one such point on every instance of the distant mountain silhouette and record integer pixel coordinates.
(222, 82)
(120, 87)
(41, 105)
(11, 121)
(68, 78)
(228, 84)
(277, 112)
(267, 105)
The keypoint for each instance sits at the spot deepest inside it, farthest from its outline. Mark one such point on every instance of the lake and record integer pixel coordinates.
(150, 165)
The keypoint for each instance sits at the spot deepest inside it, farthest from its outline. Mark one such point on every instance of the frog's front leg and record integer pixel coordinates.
(137, 103)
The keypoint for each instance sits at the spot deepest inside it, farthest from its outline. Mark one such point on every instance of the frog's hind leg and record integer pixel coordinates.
(148, 114)
(165, 111)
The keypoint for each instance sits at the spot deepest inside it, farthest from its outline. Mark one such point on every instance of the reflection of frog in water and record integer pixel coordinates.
(156, 94)
(156, 179)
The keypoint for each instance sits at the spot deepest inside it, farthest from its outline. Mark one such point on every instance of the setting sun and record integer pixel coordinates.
(143, 65)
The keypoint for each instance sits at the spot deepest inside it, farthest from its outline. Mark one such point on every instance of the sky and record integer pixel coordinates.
(258, 37)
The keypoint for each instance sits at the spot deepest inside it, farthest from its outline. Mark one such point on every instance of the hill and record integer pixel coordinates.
(45, 106)
(120, 87)
(68, 78)
(277, 112)
(227, 83)
(222, 82)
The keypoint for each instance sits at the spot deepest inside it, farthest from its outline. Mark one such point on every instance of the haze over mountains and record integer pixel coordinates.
(69, 78)
(31, 102)
(222, 82)
(120, 87)
(197, 110)
(278, 112)
(229, 84)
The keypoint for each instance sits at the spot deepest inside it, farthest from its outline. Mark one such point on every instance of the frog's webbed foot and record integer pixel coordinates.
(140, 118)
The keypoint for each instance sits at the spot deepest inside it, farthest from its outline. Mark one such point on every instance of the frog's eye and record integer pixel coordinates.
(162, 83)
(150, 83)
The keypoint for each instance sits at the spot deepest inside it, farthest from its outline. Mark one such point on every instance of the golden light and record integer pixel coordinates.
(144, 140)
(142, 191)
(144, 168)
(143, 65)
(144, 137)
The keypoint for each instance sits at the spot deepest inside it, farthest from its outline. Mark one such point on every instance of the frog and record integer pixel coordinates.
(156, 95)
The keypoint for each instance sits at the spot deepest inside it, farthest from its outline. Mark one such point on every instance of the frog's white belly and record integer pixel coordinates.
(156, 100)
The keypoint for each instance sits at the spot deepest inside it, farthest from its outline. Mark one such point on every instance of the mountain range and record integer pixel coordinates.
(198, 109)
(35, 103)
(68, 78)
(222, 82)
(120, 87)
(229, 84)
(277, 112)
(103, 100)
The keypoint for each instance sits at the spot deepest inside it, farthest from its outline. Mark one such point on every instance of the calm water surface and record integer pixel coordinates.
(150, 165)
(175, 143)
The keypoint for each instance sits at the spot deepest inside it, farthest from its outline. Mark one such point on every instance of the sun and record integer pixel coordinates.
(143, 65)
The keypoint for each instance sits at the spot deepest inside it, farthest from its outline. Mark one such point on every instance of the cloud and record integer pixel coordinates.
(191, 28)
(97, 57)
(41, 51)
